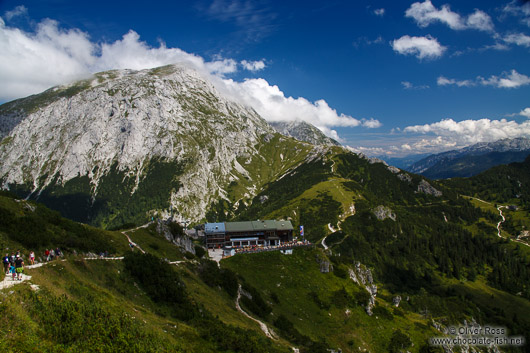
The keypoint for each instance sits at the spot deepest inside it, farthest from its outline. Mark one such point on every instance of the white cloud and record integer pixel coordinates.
(468, 132)
(520, 39)
(379, 12)
(480, 20)
(422, 47)
(443, 81)
(17, 11)
(513, 79)
(506, 80)
(410, 85)
(33, 62)
(272, 104)
(30, 63)
(253, 65)
(425, 13)
(525, 112)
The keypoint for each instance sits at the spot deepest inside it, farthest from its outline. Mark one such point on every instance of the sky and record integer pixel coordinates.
(390, 78)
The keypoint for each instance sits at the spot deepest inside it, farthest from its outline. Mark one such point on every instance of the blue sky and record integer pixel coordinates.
(384, 77)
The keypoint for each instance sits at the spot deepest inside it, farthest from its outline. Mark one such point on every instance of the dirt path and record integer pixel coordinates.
(500, 222)
(269, 333)
(8, 281)
(132, 230)
(323, 242)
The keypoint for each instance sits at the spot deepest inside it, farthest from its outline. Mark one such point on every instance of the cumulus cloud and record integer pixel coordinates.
(468, 132)
(511, 79)
(30, 63)
(506, 80)
(253, 65)
(520, 39)
(425, 13)
(271, 103)
(525, 112)
(33, 62)
(422, 47)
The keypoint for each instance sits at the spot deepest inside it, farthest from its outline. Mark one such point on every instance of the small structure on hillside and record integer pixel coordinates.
(230, 235)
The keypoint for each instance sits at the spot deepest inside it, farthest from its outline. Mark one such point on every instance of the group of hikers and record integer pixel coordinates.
(14, 264)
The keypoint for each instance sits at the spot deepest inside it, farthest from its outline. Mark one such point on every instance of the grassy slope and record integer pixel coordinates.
(106, 295)
(293, 278)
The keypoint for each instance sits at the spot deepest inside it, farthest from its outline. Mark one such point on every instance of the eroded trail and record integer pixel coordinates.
(132, 230)
(268, 332)
(500, 222)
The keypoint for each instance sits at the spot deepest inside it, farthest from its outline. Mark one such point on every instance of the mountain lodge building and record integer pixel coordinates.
(249, 233)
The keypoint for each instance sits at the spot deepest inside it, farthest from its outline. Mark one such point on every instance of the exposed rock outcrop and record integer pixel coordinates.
(182, 241)
(362, 275)
(382, 212)
(325, 265)
(428, 189)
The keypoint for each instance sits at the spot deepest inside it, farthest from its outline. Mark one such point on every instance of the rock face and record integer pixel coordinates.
(405, 177)
(428, 189)
(184, 241)
(382, 212)
(122, 125)
(362, 275)
(303, 131)
(325, 265)
(396, 300)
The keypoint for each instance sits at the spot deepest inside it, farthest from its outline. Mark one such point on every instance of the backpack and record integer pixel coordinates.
(6, 259)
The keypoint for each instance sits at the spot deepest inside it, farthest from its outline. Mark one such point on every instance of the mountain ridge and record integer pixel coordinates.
(471, 160)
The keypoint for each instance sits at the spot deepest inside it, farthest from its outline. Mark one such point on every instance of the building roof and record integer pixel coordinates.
(238, 226)
(214, 228)
(253, 226)
(264, 225)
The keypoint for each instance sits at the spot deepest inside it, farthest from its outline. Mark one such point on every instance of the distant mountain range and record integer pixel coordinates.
(472, 160)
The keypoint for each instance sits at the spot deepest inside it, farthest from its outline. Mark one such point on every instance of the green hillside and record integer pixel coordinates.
(139, 304)
(438, 252)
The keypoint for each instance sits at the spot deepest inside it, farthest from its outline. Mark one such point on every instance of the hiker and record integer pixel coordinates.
(6, 264)
(12, 270)
(52, 254)
(19, 267)
(58, 252)
(32, 258)
(12, 259)
(47, 254)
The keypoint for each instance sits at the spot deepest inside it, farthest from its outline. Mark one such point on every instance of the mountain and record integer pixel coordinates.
(303, 131)
(394, 259)
(472, 160)
(125, 145)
